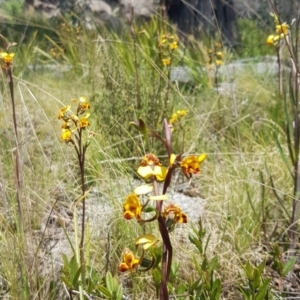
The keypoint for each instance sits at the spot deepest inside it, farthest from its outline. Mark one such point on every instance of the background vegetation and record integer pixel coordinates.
(239, 120)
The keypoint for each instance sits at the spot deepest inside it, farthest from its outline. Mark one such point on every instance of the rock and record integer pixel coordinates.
(192, 206)
(260, 9)
(141, 8)
(227, 73)
(99, 6)
(264, 65)
(181, 74)
(46, 8)
(100, 9)
(95, 13)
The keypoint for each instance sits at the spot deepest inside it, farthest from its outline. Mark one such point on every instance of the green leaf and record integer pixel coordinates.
(174, 270)
(256, 279)
(263, 290)
(204, 265)
(119, 293)
(196, 265)
(156, 275)
(67, 282)
(249, 270)
(245, 291)
(92, 280)
(65, 260)
(206, 244)
(73, 268)
(213, 263)
(109, 281)
(276, 250)
(195, 285)
(196, 242)
(181, 288)
(76, 277)
(216, 289)
(261, 267)
(198, 294)
(288, 266)
(105, 291)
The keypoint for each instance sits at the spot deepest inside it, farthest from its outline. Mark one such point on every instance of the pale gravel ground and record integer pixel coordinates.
(100, 212)
(192, 206)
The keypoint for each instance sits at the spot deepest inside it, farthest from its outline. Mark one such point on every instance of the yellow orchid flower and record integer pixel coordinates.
(62, 112)
(173, 45)
(158, 198)
(174, 212)
(273, 39)
(166, 61)
(129, 261)
(66, 135)
(7, 58)
(132, 207)
(182, 112)
(172, 159)
(219, 55)
(282, 28)
(173, 119)
(176, 116)
(160, 172)
(270, 40)
(219, 62)
(147, 240)
(66, 125)
(83, 105)
(84, 122)
(191, 164)
(151, 167)
(143, 189)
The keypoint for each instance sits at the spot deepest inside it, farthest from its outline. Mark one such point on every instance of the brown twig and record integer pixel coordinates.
(167, 251)
(82, 150)
(17, 162)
